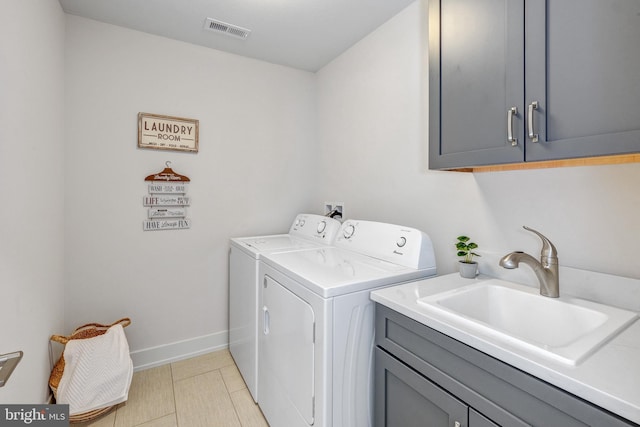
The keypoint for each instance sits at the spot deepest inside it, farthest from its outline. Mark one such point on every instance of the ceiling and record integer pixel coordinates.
(304, 34)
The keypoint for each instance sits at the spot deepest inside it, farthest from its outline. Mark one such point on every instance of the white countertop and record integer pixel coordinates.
(609, 378)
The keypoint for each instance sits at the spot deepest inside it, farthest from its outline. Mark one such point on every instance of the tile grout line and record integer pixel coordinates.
(233, 403)
(173, 392)
(226, 389)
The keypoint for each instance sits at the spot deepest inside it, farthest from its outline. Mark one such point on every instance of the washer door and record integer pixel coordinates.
(287, 352)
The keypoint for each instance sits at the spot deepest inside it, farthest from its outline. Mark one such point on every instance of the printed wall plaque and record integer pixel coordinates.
(167, 212)
(160, 188)
(167, 133)
(169, 224)
(167, 201)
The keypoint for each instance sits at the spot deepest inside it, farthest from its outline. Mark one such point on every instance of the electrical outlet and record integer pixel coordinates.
(336, 209)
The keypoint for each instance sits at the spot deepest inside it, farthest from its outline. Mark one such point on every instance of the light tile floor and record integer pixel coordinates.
(205, 391)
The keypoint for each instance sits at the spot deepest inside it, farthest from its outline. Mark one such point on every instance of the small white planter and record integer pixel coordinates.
(468, 270)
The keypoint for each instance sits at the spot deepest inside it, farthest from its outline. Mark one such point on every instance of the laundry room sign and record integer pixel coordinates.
(167, 201)
(167, 132)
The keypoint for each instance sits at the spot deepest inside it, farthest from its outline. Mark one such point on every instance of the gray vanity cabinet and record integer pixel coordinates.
(411, 400)
(425, 378)
(513, 81)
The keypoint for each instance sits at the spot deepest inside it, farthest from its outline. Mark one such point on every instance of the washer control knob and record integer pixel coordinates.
(348, 231)
(401, 242)
(322, 225)
(302, 222)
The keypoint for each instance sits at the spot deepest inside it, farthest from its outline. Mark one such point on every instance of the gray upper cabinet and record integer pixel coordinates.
(511, 82)
(476, 72)
(584, 72)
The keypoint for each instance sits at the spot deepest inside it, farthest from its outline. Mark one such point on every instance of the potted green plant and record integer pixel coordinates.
(468, 267)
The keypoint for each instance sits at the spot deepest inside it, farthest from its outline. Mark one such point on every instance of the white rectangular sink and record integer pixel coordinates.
(565, 329)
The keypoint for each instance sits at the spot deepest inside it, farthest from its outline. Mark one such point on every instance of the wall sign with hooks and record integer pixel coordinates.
(167, 201)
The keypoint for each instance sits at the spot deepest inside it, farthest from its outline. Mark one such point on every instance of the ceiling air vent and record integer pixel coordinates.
(228, 29)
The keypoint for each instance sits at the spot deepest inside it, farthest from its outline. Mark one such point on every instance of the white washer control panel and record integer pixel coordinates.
(393, 243)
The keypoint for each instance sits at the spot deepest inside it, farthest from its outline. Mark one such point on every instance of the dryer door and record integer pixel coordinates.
(286, 355)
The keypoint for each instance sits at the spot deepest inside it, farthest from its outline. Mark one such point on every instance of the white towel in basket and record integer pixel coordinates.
(97, 372)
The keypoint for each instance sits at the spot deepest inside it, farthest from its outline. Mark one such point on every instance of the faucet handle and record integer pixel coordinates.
(548, 250)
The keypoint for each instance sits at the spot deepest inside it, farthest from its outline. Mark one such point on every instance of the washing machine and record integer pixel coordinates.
(316, 335)
(307, 231)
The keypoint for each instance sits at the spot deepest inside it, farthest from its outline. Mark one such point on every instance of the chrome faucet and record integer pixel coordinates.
(546, 269)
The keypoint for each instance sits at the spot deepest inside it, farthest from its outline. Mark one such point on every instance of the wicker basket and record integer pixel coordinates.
(89, 330)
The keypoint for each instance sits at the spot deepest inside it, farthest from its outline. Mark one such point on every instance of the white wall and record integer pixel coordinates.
(372, 109)
(252, 174)
(31, 173)
(370, 113)
(354, 132)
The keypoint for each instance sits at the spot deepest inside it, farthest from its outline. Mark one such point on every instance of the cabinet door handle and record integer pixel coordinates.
(532, 135)
(511, 112)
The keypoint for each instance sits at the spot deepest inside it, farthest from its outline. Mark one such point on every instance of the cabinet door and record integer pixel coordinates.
(404, 398)
(583, 69)
(476, 74)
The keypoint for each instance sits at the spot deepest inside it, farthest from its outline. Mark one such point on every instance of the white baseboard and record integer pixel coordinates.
(163, 354)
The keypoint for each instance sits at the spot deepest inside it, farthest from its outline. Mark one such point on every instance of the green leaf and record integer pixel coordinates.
(464, 248)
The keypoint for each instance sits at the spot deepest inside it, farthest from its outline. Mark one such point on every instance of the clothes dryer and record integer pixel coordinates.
(307, 231)
(316, 335)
